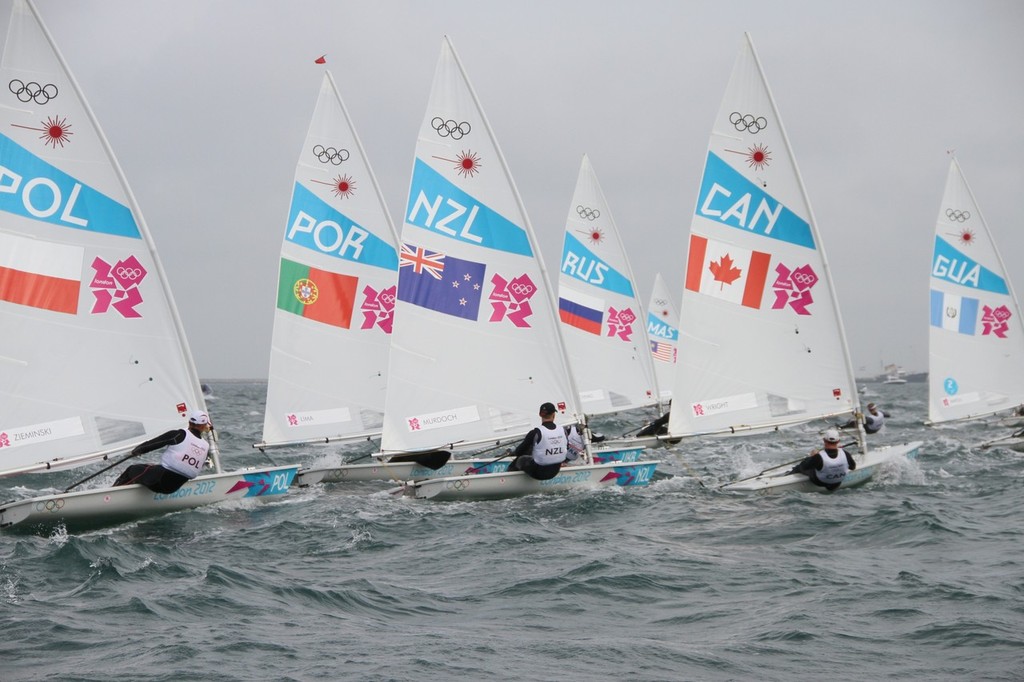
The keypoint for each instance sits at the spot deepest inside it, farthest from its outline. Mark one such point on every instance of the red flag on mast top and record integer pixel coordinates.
(322, 59)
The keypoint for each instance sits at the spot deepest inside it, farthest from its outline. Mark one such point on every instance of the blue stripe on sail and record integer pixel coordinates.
(437, 205)
(657, 327)
(580, 263)
(729, 198)
(28, 182)
(936, 308)
(951, 265)
(968, 315)
(315, 225)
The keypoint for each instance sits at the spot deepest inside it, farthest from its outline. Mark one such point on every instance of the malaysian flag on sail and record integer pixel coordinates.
(665, 352)
(440, 282)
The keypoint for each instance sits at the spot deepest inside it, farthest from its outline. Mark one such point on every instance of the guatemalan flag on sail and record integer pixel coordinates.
(437, 281)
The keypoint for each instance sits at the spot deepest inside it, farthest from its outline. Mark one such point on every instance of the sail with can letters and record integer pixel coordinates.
(335, 294)
(975, 331)
(599, 308)
(762, 343)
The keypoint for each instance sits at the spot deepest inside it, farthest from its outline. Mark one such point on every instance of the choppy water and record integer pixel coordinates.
(917, 576)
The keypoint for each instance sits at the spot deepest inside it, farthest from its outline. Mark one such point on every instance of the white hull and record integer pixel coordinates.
(104, 506)
(776, 481)
(516, 484)
(405, 471)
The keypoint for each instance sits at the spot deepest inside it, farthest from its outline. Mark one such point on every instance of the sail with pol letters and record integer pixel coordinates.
(93, 358)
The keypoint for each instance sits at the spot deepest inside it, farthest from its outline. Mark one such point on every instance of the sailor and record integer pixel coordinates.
(874, 420)
(180, 462)
(543, 450)
(827, 466)
(577, 447)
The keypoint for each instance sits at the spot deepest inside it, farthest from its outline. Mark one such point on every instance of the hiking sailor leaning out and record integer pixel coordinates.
(543, 450)
(179, 463)
(828, 465)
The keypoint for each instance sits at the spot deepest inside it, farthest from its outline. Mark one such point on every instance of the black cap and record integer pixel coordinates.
(547, 408)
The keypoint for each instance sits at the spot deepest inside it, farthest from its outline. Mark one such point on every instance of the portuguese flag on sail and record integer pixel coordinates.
(316, 294)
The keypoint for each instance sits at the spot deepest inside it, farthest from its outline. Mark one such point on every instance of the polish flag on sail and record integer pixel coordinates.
(40, 274)
(726, 271)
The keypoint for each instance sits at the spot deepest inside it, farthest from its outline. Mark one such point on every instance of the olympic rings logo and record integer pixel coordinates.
(129, 273)
(588, 213)
(450, 128)
(330, 155)
(520, 289)
(387, 299)
(805, 278)
(457, 485)
(958, 215)
(25, 92)
(50, 505)
(748, 122)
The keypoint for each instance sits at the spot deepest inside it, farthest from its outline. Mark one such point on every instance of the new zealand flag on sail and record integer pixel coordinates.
(434, 280)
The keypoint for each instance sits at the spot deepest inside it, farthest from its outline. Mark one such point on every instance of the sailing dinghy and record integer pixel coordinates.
(600, 310)
(762, 345)
(93, 358)
(976, 333)
(476, 345)
(663, 332)
(335, 309)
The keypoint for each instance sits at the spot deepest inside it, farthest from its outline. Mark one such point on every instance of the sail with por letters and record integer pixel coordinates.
(761, 341)
(975, 332)
(336, 290)
(476, 346)
(94, 358)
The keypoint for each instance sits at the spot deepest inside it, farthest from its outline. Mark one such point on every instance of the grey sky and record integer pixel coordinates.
(206, 104)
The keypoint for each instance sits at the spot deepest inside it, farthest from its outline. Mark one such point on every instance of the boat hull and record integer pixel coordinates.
(776, 480)
(406, 471)
(506, 484)
(105, 506)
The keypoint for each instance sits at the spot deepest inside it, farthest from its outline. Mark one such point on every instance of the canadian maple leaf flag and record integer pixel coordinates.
(727, 271)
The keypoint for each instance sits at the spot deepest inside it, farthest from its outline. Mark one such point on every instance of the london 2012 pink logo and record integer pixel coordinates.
(117, 286)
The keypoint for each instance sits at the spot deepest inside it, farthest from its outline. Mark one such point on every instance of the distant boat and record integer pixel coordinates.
(95, 356)
(895, 375)
(976, 333)
(764, 345)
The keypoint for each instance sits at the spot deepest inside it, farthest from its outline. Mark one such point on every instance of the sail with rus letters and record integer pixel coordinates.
(93, 359)
(476, 346)
(975, 332)
(762, 343)
(600, 310)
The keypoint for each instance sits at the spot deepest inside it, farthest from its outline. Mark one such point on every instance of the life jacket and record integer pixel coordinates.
(187, 457)
(552, 447)
(873, 423)
(833, 469)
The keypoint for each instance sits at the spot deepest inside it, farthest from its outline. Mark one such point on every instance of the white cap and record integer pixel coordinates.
(198, 417)
(831, 436)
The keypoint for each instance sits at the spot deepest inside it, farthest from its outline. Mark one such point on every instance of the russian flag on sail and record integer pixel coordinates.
(40, 274)
(955, 313)
(725, 271)
(580, 311)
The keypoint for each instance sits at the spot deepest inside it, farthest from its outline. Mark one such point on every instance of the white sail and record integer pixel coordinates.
(475, 346)
(92, 355)
(976, 333)
(336, 290)
(599, 309)
(663, 332)
(761, 340)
